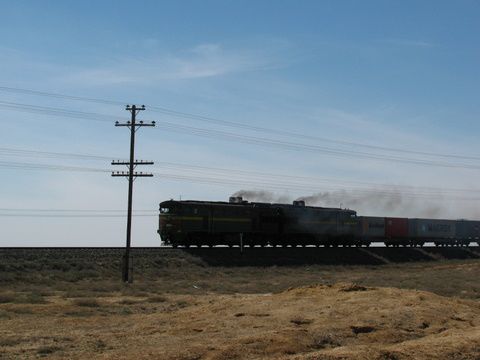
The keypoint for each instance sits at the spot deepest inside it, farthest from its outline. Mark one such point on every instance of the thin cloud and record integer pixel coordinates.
(202, 61)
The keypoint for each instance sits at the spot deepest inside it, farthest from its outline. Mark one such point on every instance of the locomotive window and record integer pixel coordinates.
(164, 210)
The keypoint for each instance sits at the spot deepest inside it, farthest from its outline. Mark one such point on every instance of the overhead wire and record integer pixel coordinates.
(208, 178)
(76, 215)
(246, 139)
(208, 171)
(233, 124)
(72, 213)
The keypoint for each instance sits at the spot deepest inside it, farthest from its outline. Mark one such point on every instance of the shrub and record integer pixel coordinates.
(22, 310)
(6, 298)
(32, 298)
(45, 350)
(128, 302)
(87, 302)
(12, 341)
(156, 299)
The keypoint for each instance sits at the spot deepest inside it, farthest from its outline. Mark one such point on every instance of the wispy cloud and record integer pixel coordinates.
(201, 61)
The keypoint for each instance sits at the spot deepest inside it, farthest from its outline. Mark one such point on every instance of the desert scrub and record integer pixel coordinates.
(10, 341)
(30, 298)
(22, 310)
(46, 350)
(7, 298)
(75, 276)
(156, 299)
(87, 302)
(128, 302)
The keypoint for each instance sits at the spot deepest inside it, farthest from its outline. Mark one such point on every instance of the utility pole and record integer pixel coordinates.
(131, 174)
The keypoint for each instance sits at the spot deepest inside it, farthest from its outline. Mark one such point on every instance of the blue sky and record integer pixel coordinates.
(383, 73)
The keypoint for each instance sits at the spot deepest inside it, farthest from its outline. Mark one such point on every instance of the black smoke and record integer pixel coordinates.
(375, 202)
(263, 196)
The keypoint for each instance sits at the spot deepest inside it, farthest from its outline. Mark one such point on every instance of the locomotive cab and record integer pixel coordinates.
(167, 222)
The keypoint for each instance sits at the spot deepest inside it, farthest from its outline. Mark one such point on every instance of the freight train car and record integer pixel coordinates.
(432, 230)
(370, 229)
(396, 231)
(466, 232)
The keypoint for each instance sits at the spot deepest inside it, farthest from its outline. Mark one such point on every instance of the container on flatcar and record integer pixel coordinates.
(396, 228)
(372, 227)
(432, 229)
(467, 231)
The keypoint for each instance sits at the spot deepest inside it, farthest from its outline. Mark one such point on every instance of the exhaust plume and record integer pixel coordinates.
(393, 203)
(263, 196)
(374, 202)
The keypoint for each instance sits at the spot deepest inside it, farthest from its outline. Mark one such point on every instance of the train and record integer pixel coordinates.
(239, 222)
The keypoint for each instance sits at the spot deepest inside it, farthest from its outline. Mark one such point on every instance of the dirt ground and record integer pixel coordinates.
(329, 313)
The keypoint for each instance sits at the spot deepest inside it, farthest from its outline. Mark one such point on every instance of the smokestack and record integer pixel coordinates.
(300, 203)
(235, 200)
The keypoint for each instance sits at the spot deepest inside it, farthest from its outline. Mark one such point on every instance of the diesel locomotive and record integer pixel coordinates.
(238, 222)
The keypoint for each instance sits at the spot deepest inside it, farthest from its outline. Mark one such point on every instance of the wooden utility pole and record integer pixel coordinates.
(131, 174)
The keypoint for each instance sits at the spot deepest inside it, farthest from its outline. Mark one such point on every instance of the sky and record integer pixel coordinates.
(371, 105)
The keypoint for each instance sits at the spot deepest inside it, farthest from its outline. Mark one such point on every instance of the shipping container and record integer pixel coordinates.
(467, 230)
(372, 227)
(396, 228)
(431, 229)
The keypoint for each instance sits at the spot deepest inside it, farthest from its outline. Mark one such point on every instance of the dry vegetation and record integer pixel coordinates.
(70, 304)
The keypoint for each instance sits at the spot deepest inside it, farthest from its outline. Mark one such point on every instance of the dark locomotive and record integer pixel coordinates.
(238, 222)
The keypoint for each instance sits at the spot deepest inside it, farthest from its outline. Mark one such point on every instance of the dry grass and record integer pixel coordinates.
(314, 322)
(49, 272)
(87, 302)
(181, 309)
(156, 299)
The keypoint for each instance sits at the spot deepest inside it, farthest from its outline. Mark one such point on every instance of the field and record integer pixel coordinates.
(61, 303)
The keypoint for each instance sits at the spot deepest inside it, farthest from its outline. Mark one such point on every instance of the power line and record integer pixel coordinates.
(72, 213)
(76, 215)
(36, 166)
(4, 151)
(209, 170)
(69, 210)
(48, 110)
(246, 139)
(238, 125)
(262, 180)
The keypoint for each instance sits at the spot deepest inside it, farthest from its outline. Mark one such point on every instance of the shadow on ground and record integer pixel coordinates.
(326, 256)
